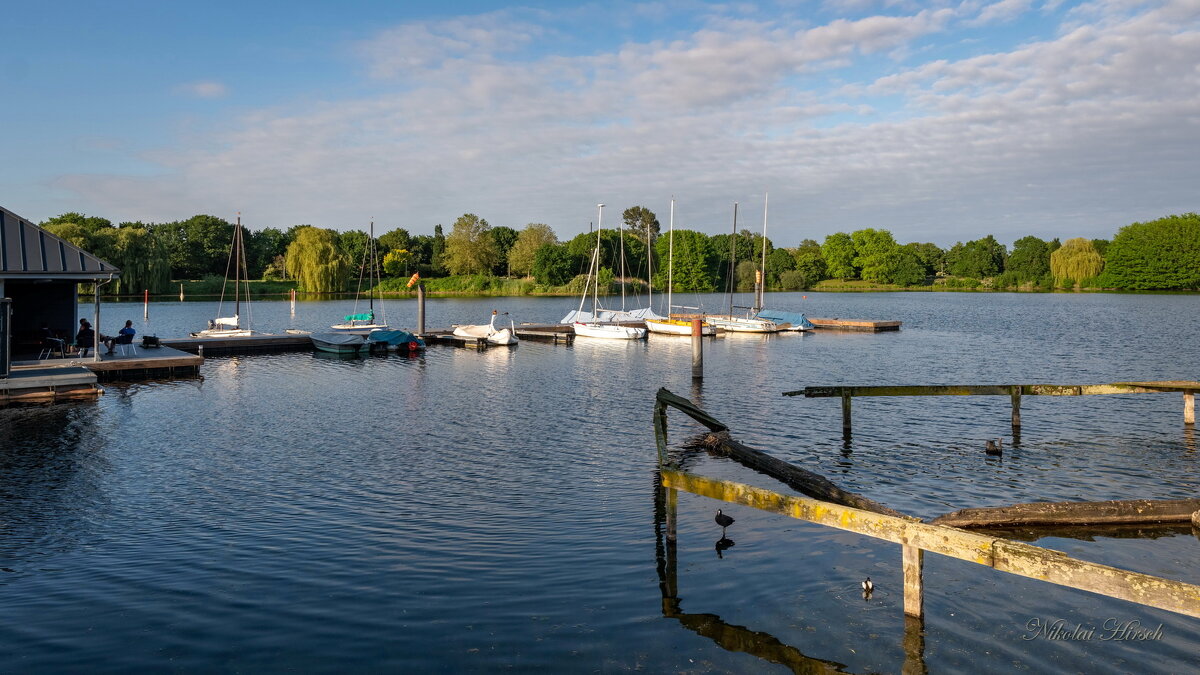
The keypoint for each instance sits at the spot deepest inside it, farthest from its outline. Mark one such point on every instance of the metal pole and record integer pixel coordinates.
(697, 349)
(420, 309)
(146, 304)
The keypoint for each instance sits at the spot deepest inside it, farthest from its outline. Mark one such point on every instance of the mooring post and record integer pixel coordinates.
(914, 647)
(845, 410)
(914, 598)
(420, 309)
(1189, 406)
(1016, 406)
(697, 349)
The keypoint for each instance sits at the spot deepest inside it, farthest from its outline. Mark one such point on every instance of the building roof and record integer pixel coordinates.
(29, 252)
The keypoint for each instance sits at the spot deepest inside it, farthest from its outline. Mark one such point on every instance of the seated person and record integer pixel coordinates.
(123, 337)
(85, 339)
(50, 340)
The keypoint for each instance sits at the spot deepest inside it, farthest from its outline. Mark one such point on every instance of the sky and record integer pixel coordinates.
(938, 121)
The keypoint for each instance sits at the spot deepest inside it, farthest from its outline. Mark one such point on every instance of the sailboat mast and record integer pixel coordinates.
(733, 261)
(621, 239)
(596, 267)
(649, 271)
(237, 269)
(371, 274)
(671, 259)
(762, 282)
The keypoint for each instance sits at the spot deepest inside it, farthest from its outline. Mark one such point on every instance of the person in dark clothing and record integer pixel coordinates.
(124, 336)
(85, 339)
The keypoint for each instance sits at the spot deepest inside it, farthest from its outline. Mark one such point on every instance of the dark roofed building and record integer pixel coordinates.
(40, 273)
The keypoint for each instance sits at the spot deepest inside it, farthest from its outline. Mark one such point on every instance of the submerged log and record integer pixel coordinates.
(1131, 511)
(806, 482)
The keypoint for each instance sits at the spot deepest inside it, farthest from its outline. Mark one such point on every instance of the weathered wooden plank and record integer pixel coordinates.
(665, 397)
(913, 565)
(978, 390)
(811, 484)
(1129, 511)
(1013, 557)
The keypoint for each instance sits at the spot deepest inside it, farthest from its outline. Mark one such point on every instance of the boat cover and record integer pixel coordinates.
(369, 316)
(226, 321)
(394, 337)
(611, 315)
(778, 316)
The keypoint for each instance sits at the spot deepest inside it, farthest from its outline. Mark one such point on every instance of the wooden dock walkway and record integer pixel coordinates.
(241, 345)
(1013, 391)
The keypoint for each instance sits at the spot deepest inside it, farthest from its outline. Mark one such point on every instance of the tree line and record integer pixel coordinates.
(1163, 254)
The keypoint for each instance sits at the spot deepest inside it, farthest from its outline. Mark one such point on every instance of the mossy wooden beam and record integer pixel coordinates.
(1057, 514)
(1007, 556)
(993, 389)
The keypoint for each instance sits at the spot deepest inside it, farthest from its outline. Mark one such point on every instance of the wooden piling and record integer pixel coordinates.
(846, 396)
(1189, 406)
(420, 309)
(697, 349)
(913, 562)
(1016, 406)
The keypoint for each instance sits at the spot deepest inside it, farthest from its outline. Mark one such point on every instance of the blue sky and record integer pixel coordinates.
(939, 121)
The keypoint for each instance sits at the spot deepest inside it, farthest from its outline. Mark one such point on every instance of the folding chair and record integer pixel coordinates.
(124, 343)
(51, 345)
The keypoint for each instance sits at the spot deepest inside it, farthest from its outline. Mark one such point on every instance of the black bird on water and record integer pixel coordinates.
(994, 448)
(724, 521)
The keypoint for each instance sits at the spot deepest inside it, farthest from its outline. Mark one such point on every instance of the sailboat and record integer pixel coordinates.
(731, 322)
(787, 321)
(231, 326)
(593, 328)
(365, 323)
(667, 325)
(489, 332)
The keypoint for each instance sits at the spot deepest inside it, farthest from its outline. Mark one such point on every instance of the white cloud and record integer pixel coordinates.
(203, 89)
(1075, 135)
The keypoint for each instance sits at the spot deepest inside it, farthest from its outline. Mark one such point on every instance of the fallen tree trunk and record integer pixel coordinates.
(806, 482)
(1130, 511)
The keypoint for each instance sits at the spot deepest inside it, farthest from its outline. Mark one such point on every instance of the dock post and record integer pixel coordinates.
(1189, 406)
(913, 559)
(697, 349)
(1016, 406)
(420, 309)
(846, 410)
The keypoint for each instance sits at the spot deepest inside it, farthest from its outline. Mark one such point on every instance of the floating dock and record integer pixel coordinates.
(38, 384)
(855, 324)
(241, 345)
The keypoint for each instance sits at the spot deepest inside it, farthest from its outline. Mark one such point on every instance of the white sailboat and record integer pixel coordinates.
(668, 325)
(365, 322)
(231, 326)
(489, 332)
(593, 328)
(730, 321)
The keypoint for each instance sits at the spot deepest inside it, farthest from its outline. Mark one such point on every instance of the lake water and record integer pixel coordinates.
(496, 510)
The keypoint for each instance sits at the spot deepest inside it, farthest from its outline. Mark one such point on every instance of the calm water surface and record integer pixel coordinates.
(467, 511)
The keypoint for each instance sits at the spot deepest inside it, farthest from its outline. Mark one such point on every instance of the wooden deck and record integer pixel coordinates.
(855, 324)
(136, 362)
(39, 384)
(241, 345)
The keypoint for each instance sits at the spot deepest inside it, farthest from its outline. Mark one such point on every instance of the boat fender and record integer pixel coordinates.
(412, 346)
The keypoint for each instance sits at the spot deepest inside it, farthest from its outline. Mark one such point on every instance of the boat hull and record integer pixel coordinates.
(741, 325)
(609, 331)
(222, 333)
(675, 327)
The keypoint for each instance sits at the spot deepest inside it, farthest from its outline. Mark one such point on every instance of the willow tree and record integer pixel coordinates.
(1077, 259)
(315, 261)
(144, 260)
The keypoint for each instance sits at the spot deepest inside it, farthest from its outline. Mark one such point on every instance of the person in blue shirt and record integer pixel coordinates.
(121, 336)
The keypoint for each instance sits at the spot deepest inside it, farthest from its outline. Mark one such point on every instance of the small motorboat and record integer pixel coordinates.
(502, 336)
(339, 343)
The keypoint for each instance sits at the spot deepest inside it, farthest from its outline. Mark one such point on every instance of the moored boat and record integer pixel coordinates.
(339, 343)
(489, 332)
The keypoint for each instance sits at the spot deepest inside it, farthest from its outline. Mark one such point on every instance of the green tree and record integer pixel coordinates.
(470, 248)
(1162, 254)
(874, 254)
(810, 266)
(838, 252)
(778, 262)
(977, 259)
(1029, 260)
(315, 261)
(89, 224)
(931, 256)
(398, 238)
(637, 219)
(437, 250)
(263, 247)
(143, 260)
(395, 262)
(198, 246)
(1076, 260)
(524, 250)
(553, 264)
(504, 237)
(695, 262)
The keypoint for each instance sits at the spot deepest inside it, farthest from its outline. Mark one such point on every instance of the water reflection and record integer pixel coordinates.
(724, 544)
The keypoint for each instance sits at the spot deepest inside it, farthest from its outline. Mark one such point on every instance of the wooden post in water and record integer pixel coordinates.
(181, 292)
(846, 411)
(293, 302)
(697, 349)
(420, 309)
(1189, 406)
(1016, 406)
(913, 559)
(146, 304)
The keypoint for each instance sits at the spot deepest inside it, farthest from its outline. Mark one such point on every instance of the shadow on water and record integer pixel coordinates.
(736, 638)
(51, 469)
